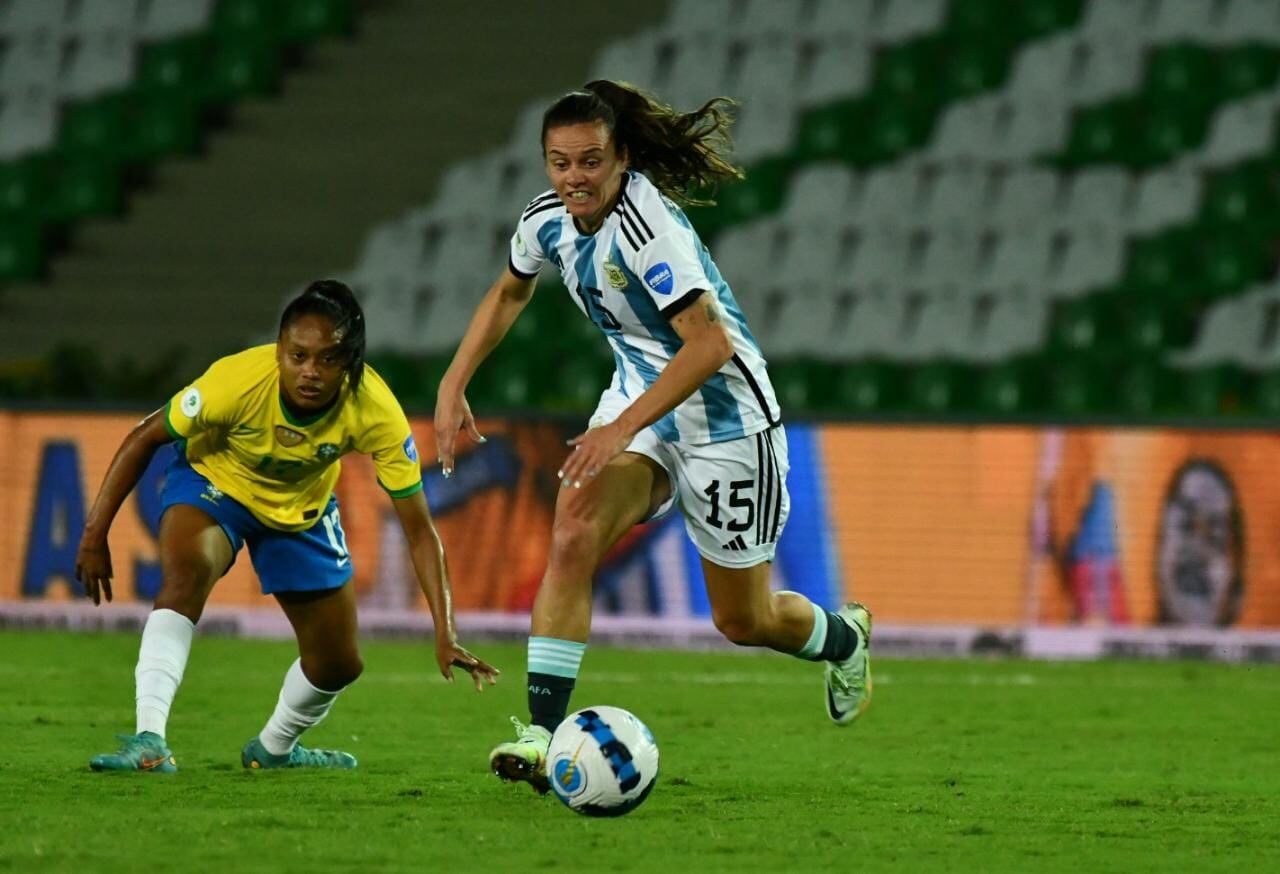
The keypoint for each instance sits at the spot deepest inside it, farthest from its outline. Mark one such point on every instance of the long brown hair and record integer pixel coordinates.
(684, 153)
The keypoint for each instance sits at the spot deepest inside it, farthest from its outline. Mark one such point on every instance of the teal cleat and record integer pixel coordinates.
(145, 751)
(255, 756)
(849, 681)
(525, 758)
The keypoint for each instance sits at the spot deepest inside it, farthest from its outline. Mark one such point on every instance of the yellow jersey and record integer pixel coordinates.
(236, 432)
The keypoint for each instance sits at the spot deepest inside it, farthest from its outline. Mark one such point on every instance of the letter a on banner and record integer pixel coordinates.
(57, 521)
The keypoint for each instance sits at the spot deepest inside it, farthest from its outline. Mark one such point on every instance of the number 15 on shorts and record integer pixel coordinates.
(737, 501)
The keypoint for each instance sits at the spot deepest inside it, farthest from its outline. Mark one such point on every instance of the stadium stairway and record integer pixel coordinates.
(197, 265)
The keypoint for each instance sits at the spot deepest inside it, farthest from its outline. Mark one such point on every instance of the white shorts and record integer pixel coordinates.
(733, 494)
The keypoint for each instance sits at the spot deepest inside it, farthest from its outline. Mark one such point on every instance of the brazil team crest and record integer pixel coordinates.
(612, 272)
(327, 451)
(288, 436)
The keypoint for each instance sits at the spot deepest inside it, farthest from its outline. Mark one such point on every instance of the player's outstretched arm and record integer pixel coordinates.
(705, 347)
(429, 564)
(503, 303)
(93, 558)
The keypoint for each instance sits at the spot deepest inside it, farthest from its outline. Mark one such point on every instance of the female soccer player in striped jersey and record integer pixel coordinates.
(690, 418)
(259, 438)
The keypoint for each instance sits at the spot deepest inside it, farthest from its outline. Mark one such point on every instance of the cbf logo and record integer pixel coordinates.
(211, 493)
(659, 278)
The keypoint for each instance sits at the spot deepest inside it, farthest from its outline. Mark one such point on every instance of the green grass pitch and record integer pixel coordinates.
(958, 765)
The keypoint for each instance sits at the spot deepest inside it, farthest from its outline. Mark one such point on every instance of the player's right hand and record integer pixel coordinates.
(453, 414)
(93, 567)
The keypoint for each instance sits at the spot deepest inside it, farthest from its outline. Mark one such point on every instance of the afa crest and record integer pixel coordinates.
(613, 273)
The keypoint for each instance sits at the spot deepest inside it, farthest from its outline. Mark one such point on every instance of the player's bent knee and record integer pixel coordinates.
(332, 674)
(183, 590)
(574, 537)
(739, 629)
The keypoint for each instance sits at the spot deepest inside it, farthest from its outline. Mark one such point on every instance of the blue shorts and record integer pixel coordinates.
(298, 561)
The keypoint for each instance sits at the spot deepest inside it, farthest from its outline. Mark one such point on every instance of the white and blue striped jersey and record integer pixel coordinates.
(641, 268)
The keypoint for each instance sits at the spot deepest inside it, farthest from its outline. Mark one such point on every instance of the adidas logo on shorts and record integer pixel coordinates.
(736, 544)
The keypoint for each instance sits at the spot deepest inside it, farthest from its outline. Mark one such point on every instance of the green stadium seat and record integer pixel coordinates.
(1099, 134)
(1158, 265)
(306, 20)
(825, 133)
(1142, 390)
(1265, 400)
(22, 187)
(21, 252)
(164, 125)
(1077, 325)
(1071, 391)
(936, 388)
(258, 17)
(971, 69)
(793, 385)
(1039, 18)
(862, 388)
(1209, 391)
(94, 128)
(85, 187)
(761, 192)
(908, 71)
(1181, 75)
(172, 65)
(1003, 391)
(1163, 134)
(1227, 263)
(891, 128)
(243, 67)
(1246, 70)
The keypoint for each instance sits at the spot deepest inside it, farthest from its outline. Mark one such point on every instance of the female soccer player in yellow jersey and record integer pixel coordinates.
(259, 438)
(690, 419)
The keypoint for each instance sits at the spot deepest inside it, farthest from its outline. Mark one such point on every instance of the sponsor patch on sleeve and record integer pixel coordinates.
(411, 449)
(191, 402)
(660, 278)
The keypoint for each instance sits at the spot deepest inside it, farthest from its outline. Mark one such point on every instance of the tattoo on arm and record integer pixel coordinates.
(712, 311)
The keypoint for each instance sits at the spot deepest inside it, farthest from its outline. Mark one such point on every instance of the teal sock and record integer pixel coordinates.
(553, 672)
(831, 640)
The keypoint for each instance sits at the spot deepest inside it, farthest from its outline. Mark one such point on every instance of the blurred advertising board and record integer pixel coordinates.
(996, 526)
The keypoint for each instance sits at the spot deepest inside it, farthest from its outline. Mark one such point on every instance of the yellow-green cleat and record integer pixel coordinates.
(848, 693)
(524, 759)
(255, 757)
(145, 751)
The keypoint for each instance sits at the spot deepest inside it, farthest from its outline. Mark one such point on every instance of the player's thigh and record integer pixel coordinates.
(740, 597)
(629, 490)
(325, 625)
(195, 551)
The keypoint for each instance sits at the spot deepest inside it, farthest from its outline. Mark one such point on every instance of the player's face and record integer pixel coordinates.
(312, 363)
(586, 170)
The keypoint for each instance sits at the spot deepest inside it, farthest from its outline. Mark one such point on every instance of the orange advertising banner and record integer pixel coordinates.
(1008, 526)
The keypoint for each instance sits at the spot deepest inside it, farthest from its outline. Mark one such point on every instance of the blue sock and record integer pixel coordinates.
(553, 671)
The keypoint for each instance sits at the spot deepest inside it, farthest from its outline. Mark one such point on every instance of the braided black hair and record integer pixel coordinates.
(335, 301)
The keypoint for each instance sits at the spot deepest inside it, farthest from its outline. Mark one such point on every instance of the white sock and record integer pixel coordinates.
(162, 659)
(301, 706)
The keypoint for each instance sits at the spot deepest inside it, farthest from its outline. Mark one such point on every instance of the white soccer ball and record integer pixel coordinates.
(602, 761)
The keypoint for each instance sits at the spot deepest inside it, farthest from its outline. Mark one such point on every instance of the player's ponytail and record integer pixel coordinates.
(684, 153)
(336, 302)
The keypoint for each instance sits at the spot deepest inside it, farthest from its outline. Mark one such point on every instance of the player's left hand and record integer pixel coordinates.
(591, 452)
(450, 654)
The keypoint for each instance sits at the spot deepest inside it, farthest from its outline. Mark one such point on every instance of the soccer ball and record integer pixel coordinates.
(602, 761)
